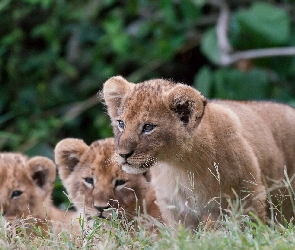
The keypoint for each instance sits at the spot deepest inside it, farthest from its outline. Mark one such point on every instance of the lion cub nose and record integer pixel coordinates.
(126, 156)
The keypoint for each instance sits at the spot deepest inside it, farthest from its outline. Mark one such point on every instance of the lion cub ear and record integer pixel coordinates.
(67, 155)
(187, 103)
(113, 92)
(43, 172)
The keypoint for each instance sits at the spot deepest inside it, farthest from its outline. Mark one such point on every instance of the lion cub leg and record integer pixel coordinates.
(255, 202)
(167, 212)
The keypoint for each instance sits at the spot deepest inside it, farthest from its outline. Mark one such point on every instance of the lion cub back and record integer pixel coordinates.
(267, 118)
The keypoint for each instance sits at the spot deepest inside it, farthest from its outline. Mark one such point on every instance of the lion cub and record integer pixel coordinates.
(202, 152)
(96, 184)
(25, 190)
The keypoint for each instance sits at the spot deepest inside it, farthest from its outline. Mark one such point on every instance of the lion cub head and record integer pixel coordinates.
(26, 185)
(95, 183)
(151, 120)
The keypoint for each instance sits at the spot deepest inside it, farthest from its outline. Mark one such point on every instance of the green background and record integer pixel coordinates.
(55, 56)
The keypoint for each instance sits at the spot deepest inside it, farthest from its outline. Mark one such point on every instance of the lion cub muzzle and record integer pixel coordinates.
(126, 156)
(102, 211)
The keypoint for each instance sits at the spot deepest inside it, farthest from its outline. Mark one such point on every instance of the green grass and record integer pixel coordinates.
(235, 232)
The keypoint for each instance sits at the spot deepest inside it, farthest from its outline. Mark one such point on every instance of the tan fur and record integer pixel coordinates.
(25, 190)
(77, 161)
(202, 152)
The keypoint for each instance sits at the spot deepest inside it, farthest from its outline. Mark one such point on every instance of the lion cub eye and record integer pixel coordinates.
(89, 180)
(148, 128)
(16, 193)
(121, 125)
(119, 183)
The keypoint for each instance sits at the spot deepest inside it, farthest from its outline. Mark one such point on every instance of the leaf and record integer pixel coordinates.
(203, 81)
(262, 25)
(4, 118)
(200, 3)
(190, 10)
(43, 3)
(4, 4)
(42, 149)
(234, 84)
(168, 12)
(209, 45)
(67, 68)
(8, 138)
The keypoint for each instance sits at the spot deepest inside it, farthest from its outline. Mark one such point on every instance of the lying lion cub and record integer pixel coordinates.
(202, 152)
(96, 184)
(25, 190)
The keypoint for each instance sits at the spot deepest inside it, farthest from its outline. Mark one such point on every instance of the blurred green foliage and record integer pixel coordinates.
(56, 54)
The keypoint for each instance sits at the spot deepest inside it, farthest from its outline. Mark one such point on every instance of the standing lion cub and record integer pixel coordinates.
(202, 152)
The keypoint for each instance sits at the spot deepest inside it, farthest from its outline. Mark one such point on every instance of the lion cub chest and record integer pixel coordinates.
(176, 195)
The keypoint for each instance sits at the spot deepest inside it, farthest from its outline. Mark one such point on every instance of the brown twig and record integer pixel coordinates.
(80, 107)
(227, 55)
